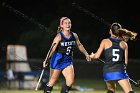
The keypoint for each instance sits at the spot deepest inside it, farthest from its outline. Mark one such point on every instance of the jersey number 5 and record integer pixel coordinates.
(115, 55)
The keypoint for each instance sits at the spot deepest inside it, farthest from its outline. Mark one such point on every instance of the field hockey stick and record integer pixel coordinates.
(39, 79)
(46, 60)
(136, 83)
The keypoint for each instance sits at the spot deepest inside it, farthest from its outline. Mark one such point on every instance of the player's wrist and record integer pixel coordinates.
(86, 54)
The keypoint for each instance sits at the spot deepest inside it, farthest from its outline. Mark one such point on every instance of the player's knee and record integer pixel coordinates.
(110, 91)
(131, 92)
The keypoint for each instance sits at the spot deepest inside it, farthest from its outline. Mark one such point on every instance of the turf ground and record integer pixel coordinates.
(98, 86)
(33, 91)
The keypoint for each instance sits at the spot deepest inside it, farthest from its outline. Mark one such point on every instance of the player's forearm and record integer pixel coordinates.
(49, 55)
(83, 50)
(96, 56)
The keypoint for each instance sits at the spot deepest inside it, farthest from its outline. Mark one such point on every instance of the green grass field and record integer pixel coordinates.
(39, 91)
(98, 86)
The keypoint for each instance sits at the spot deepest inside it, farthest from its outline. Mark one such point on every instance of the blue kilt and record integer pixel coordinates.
(108, 76)
(60, 61)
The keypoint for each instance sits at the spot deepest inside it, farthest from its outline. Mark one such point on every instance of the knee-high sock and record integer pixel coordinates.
(65, 89)
(109, 91)
(48, 89)
(131, 92)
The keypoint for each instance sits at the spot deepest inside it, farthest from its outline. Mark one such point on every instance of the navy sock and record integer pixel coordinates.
(109, 91)
(131, 92)
(48, 89)
(65, 89)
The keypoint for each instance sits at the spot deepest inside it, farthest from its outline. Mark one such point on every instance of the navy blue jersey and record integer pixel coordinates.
(114, 57)
(66, 45)
(63, 57)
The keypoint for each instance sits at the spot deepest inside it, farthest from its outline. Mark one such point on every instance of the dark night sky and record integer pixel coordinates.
(46, 11)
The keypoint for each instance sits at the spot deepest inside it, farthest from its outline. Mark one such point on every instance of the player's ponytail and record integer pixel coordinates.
(125, 34)
(59, 29)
